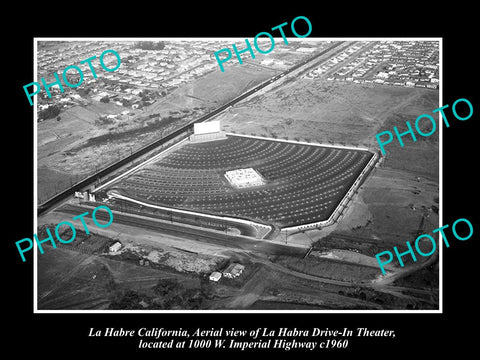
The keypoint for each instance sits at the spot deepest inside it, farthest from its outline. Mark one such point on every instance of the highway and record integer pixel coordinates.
(180, 134)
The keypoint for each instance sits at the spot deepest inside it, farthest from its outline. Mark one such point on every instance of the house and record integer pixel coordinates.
(267, 62)
(233, 270)
(115, 247)
(306, 49)
(215, 276)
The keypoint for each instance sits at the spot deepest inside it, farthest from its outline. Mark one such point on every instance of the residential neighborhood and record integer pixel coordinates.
(397, 63)
(143, 74)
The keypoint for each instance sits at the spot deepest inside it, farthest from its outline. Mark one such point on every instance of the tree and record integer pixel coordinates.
(165, 286)
(129, 300)
(192, 299)
(105, 99)
(49, 113)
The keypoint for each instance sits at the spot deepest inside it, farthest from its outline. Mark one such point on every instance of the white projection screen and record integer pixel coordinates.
(206, 127)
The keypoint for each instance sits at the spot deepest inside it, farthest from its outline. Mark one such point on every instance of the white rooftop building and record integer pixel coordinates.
(234, 270)
(115, 247)
(215, 276)
(243, 178)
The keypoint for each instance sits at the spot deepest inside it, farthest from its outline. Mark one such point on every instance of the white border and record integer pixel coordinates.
(146, 312)
(35, 180)
(440, 177)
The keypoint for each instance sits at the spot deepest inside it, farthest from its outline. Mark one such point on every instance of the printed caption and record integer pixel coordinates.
(243, 339)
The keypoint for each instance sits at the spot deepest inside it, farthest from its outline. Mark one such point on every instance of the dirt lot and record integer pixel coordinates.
(328, 111)
(72, 280)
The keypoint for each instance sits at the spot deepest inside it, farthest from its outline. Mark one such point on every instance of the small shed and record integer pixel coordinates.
(215, 276)
(115, 247)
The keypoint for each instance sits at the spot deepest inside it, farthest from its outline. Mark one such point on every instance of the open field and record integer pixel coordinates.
(82, 281)
(329, 112)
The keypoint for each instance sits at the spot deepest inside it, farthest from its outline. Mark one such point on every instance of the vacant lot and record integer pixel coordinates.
(327, 111)
(71, 280)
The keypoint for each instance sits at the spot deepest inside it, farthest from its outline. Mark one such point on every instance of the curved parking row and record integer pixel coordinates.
(304, 183)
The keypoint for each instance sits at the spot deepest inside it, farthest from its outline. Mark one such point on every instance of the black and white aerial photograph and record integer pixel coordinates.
(185, 174)
(218, 179)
